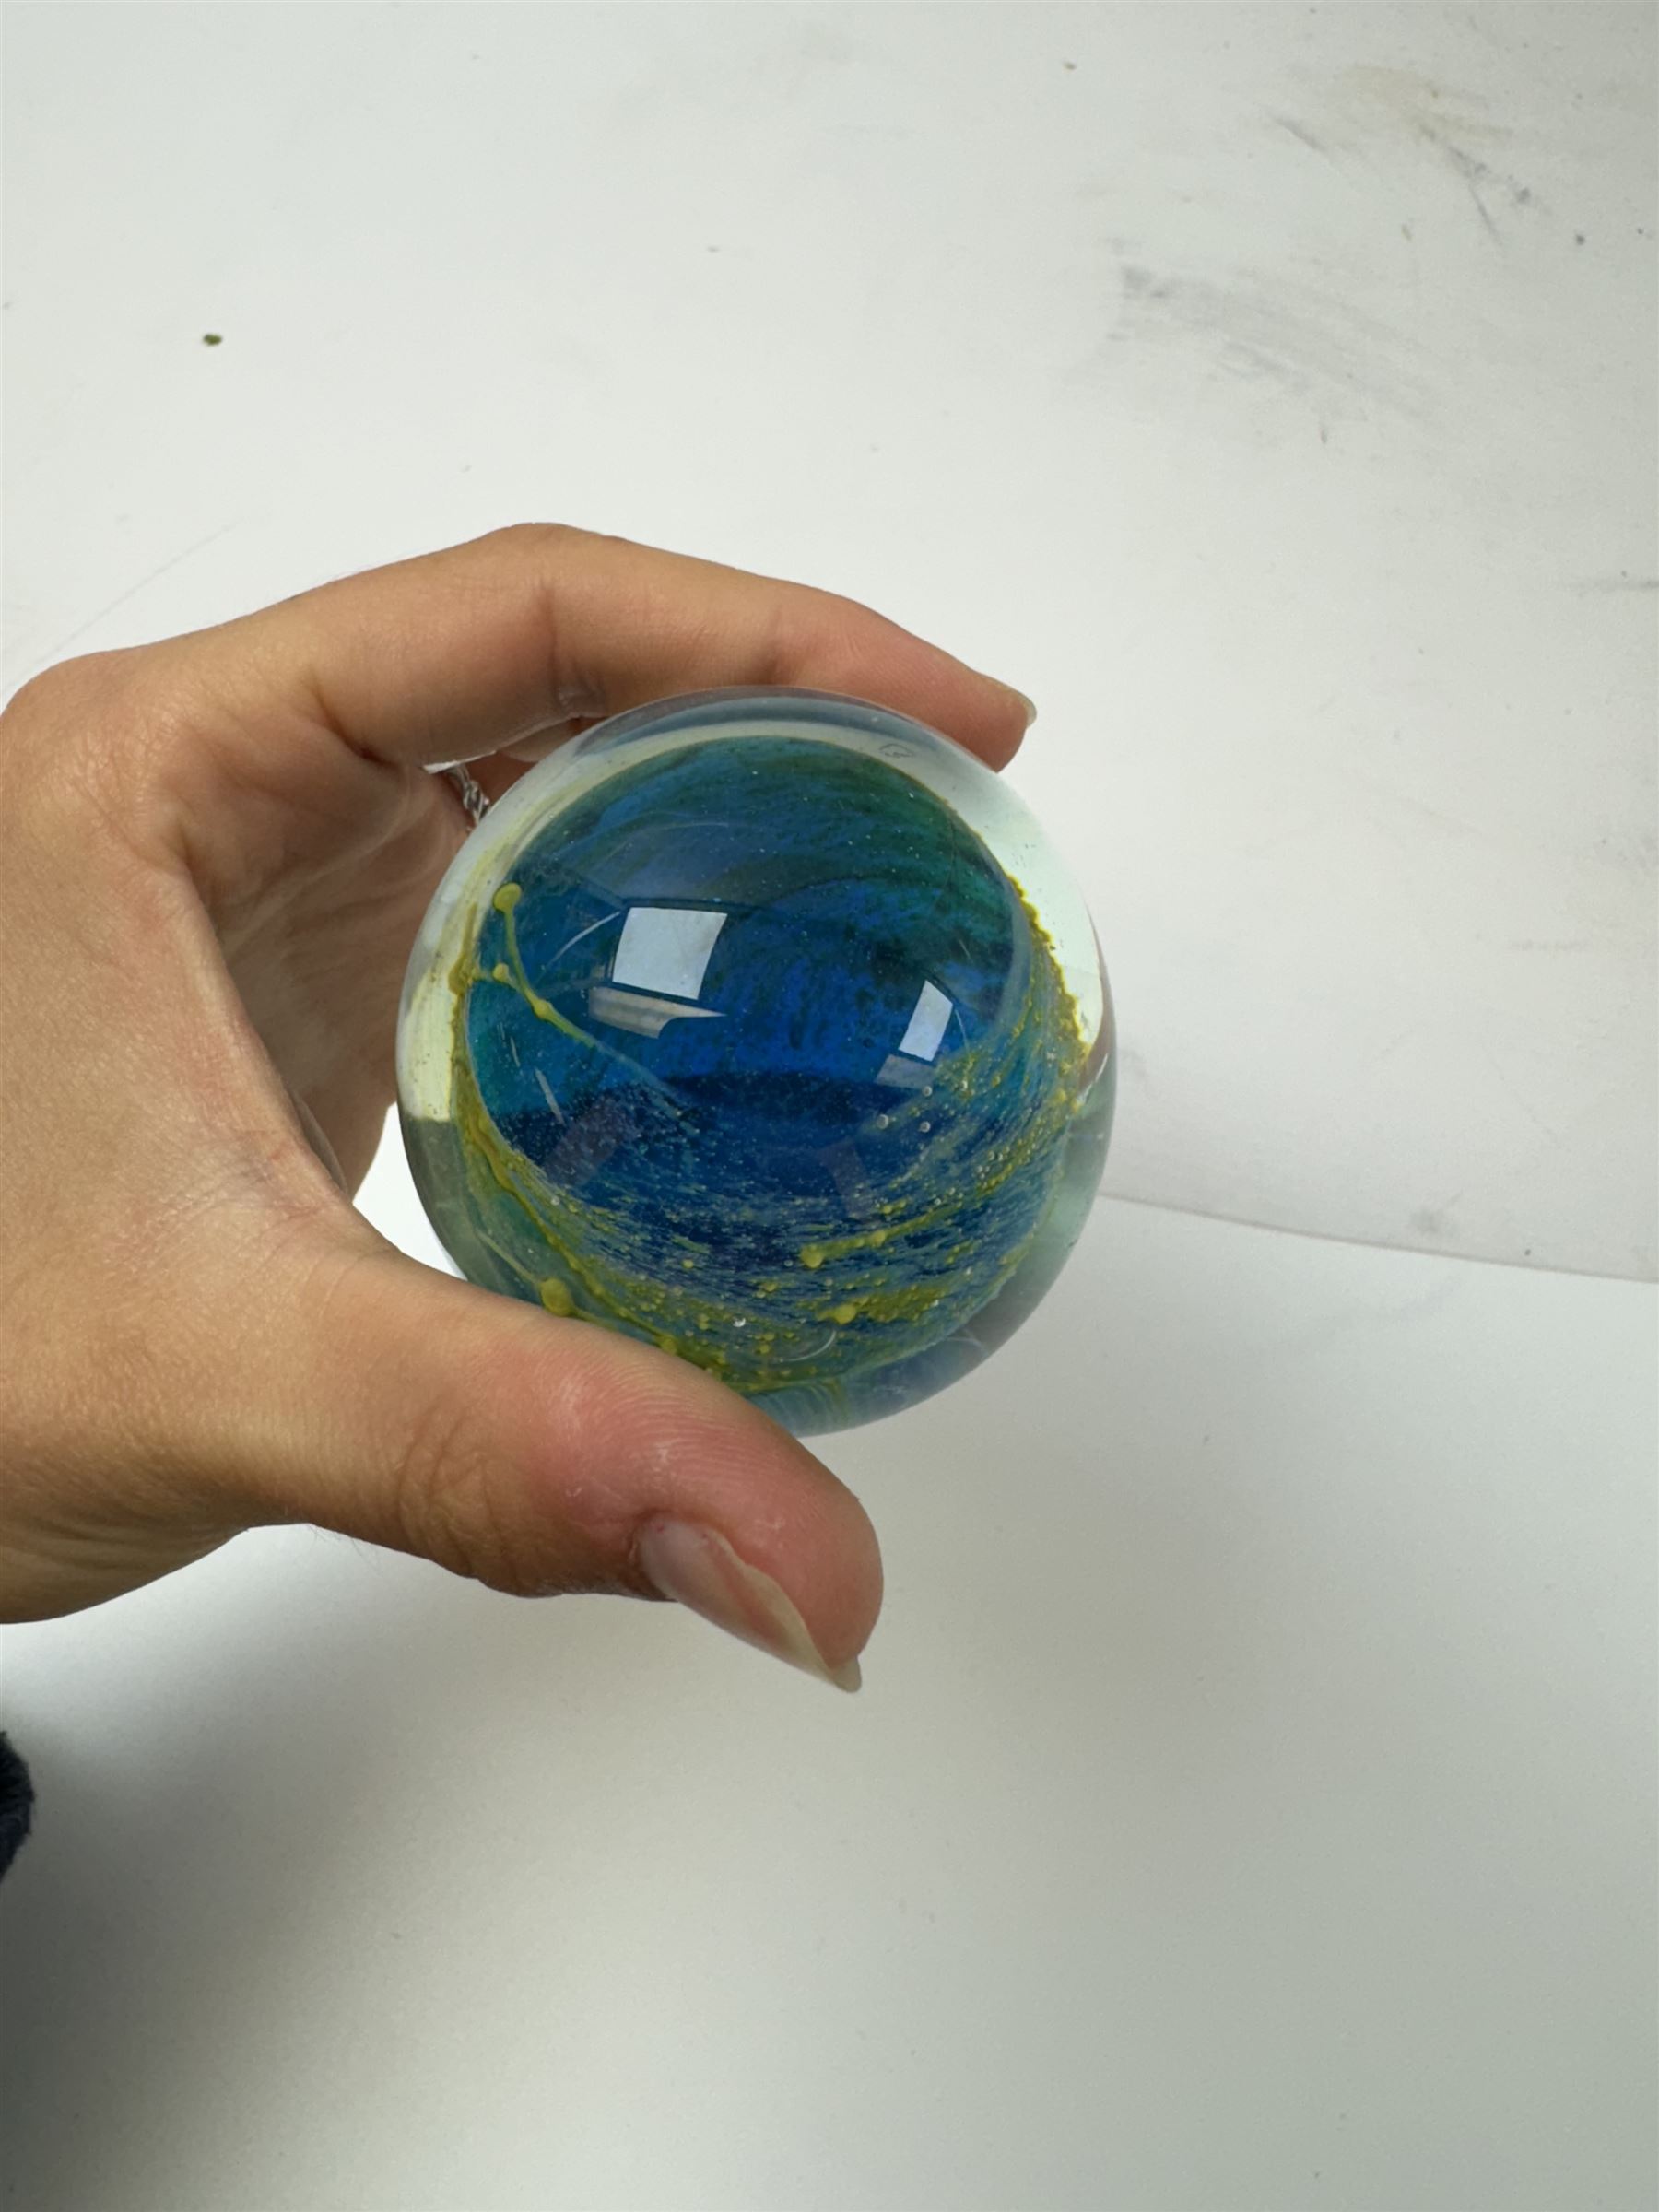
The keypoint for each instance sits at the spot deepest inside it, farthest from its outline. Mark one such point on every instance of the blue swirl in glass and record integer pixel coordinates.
(765, 1026)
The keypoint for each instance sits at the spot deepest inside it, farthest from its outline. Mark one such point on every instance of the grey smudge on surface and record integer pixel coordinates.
(1303, 136)
(1252, 325)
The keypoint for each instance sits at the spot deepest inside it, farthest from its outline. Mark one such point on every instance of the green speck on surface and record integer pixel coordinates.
(212, 338)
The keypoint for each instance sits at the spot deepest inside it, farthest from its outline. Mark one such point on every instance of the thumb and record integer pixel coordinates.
(542, 1455)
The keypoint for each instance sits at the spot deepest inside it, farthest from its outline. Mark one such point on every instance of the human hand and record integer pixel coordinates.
(217, 852)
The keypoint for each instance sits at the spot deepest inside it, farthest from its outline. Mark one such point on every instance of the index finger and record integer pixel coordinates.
(490, 644)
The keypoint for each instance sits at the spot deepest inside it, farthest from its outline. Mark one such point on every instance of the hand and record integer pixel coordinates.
(215, 852)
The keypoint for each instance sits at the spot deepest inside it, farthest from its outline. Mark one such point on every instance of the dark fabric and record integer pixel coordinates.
(17, 1803)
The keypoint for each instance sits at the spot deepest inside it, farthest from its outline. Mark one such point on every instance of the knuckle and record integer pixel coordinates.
(91, 733)
(65, 688)
(825, 634)
(849, 628)
(502, 1484)
(42, 718)
(537, 540)
(449, 1501)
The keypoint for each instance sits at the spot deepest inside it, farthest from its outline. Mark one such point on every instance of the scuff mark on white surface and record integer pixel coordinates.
(1303, 136)
(1373, 105)
(1305, 340)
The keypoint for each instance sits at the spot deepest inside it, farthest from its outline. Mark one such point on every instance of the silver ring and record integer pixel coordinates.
(467, 789)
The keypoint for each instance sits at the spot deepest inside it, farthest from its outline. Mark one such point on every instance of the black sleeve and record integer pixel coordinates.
(17, 1803)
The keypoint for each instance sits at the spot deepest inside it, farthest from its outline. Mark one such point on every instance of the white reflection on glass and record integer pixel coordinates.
(909, 1067)
(666, 949)
(661, 959)
(927, 1024)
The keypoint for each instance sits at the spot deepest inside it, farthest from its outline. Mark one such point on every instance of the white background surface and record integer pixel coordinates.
(1251, 1805)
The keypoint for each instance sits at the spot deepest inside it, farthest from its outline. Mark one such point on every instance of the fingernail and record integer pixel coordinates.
(1029, 704)
(697, 1567)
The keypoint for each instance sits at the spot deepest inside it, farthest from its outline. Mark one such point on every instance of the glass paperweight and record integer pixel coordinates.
(765, 1026)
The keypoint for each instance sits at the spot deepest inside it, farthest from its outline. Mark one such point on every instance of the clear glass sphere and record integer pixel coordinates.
(768, 1028)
